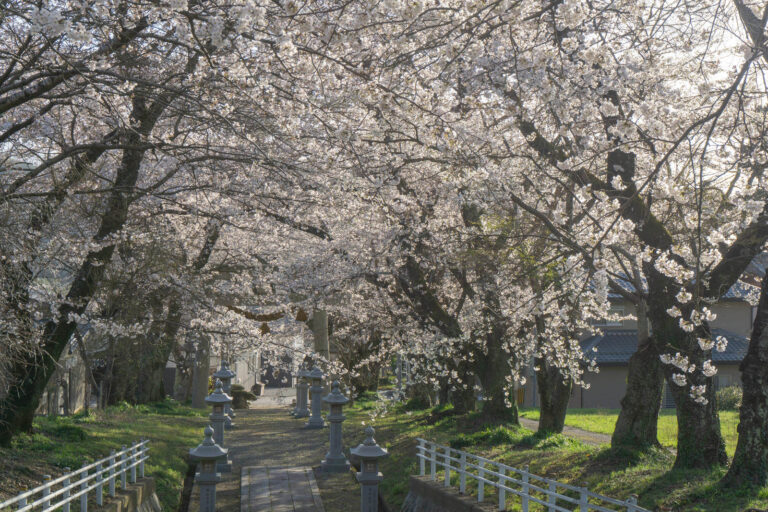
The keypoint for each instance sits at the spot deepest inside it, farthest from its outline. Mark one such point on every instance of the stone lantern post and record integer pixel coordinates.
(302, 399)
(369, 476)
(316, 395)
(208, 453)
(225, 375)
(335, 461)
(219, 400)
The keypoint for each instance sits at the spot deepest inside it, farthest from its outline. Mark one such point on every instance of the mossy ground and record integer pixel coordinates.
(61, 442)
(603, 470)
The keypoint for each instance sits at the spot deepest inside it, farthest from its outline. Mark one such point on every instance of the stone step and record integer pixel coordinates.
(279, 489)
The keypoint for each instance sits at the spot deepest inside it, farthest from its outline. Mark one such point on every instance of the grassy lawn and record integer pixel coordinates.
(603, 421)
(70, 441)
(613, 474)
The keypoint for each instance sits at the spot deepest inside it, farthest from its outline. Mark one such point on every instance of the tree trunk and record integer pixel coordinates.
(30, 376)
(554, 394)
(494, 372)
(750, 461)
(200, 373)
(699, 441)
(637, 425)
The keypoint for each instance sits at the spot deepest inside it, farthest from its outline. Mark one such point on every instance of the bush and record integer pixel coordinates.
(240, 397)
(415, 404)
(729, 398)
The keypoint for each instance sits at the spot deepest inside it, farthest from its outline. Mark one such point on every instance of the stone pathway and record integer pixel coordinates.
(291, 489)
(266, 437)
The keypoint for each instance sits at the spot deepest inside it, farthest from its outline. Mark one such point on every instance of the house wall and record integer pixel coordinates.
(606, 389)
(735, 317)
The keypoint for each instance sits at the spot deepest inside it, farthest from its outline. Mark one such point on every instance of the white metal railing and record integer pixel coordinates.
(529, 488)
(77, 484)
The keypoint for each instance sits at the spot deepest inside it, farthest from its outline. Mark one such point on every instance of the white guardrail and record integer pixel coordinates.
(77, 484)
(528, 487)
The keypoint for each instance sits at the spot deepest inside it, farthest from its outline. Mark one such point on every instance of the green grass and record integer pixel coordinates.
(71, 441)
(615, 474)
(603, 421)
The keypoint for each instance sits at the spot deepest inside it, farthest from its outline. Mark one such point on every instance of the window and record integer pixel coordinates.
(614, 311)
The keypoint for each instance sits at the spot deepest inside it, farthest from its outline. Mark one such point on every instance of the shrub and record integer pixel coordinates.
(240, 397)
(415, 404)
(729, 398)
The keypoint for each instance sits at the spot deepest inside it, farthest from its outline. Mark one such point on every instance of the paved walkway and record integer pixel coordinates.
(585, 436)
(290, 489)
(267, 437)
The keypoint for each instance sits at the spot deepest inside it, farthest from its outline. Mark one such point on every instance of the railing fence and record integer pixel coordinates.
(529, 488)
(78, 484)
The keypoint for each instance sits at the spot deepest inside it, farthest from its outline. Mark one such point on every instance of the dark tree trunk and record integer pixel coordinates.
(554, 394)
(494, 372)
(699, 441)
(637, 425)
(750, 461)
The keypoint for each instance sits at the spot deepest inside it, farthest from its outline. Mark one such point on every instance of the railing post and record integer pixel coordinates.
(632, 503)
(583, 499)
(481, 483)
(423, 452)
(23, 501)
(552, 499)
(123, 458)
(447, 481)
(433, 461)
(100, 487)
(83, 486)
(112, 473)
(66, 483)
(526, 488)
(463, 474)
(46, 491)
(134, 458)
(502, 490)
(144, 449)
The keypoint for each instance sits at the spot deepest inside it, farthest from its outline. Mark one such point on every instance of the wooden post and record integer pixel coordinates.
(112, 473)
(123, 475)
(551, 499)
(100, 487)
(66, 483)
(142, 451)
(433, 461)
(423, 452)
(632, 503)
(583, 499)
(134, 457)
(23, 501)
(480, 483)
(447, 481)
(526, 488)
(463, 475)
(46, 491)
(83, 486)
(502, 491)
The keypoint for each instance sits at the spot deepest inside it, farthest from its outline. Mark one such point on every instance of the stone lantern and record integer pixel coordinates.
(316, 395)
(208, 453)
(369, 476)
(302, 388)
(335, 461)
(219, 400)
(225, 375)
